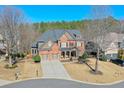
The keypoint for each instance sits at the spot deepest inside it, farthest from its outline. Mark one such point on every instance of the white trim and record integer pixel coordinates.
(63, 45)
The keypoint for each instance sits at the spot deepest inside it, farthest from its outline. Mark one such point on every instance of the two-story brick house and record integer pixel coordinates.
(59, 44)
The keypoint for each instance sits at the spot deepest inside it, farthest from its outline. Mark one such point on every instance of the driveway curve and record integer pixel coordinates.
(57, 83)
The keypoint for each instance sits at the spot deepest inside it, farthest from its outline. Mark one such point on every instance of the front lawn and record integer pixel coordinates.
(27, 69)
(111, 72)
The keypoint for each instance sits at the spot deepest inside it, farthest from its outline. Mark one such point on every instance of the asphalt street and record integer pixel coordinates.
(57, 83)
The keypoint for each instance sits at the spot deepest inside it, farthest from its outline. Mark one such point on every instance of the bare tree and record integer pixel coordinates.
(27, 37)
(100, 14)
(87, 32)
(17, 33)
(10, 22)
(98, 28)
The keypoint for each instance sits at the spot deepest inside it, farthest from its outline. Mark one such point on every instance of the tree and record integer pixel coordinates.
(100, 13)
(10, 21)
(91, 48)
(97, 29)
(27, 36)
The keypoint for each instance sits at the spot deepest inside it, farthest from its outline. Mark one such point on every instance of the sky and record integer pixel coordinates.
(50, 13)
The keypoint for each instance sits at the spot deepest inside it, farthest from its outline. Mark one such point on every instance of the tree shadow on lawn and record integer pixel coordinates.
(92, 70)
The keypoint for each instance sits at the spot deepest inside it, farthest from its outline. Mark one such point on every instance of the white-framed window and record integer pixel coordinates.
(40, 44)
(34, 51)
(49, 43)
(71, 44)
(63, 45)
(78, 44)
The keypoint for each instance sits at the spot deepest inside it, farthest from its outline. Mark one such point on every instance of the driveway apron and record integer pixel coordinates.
(54, 69)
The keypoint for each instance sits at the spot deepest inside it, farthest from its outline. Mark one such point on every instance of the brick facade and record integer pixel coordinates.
(65, 47)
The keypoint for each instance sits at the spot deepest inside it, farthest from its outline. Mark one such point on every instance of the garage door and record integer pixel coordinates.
(44, 57)
(50, 57)
(55, 56)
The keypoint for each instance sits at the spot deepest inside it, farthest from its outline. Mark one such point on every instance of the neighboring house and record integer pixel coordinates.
(2, 47)
(59, 44)
(113, 42)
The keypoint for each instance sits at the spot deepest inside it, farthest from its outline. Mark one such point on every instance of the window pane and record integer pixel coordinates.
(78, 43)
(63, 45)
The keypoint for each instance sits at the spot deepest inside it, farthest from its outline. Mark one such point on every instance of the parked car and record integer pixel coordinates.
(117, 61)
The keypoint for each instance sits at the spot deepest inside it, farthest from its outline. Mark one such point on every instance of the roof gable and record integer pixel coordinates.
(46, 45)
(69, 37)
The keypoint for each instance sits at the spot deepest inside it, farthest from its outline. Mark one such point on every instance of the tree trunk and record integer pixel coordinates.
(10, 61)
(97, 59)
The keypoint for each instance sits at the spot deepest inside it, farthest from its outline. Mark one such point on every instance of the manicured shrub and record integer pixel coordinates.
(122, 57)
(18, 55)
(103, 57)
(85, 56)
(22, 55)
(15, 55)
(121, 54)
(36, 58)
(8, 67)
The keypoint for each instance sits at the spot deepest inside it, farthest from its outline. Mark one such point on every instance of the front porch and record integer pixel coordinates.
(69, 55)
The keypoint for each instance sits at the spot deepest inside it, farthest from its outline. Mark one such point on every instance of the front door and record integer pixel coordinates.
(73, 54)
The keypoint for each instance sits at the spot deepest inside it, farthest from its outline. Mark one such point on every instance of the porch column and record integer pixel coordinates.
(64, 54)
(69, 54)
(68, 45)
(75, 53)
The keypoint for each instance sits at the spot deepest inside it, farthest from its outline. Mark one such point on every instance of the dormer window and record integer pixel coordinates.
(75, 35)
(49, 43)
(78, 44)
(34, 51)
(63, 44)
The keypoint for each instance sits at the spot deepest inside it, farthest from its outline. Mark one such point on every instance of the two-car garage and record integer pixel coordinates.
(50, 57)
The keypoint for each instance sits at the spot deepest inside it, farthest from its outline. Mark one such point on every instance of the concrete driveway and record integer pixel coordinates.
(54, 69)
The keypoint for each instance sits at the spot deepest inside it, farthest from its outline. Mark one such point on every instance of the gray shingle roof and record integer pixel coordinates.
(54, 35)
(112, 37)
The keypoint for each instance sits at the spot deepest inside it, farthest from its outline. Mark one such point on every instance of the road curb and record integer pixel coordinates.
(106, 84)
(116, 82)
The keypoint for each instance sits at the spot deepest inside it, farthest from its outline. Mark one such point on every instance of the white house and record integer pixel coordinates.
(113, 42)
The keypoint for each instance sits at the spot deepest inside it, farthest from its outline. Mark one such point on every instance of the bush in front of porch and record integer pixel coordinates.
(36, 59)
(84, 57)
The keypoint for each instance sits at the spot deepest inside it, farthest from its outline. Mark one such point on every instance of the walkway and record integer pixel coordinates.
(54, 69)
